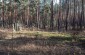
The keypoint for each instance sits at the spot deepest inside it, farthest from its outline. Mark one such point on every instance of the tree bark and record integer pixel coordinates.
(51, 20)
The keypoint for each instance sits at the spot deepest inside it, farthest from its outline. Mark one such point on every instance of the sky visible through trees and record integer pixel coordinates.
(56, 1)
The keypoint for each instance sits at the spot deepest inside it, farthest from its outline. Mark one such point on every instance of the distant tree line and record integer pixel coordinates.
(67, 15)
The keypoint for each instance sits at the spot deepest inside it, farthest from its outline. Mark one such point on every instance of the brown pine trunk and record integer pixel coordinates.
(3, 14)
(38, 15)
(51, 20)
(67, 13)
(73, 23)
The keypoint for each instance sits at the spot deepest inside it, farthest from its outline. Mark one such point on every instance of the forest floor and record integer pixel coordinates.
(28, 42)
(9, 33)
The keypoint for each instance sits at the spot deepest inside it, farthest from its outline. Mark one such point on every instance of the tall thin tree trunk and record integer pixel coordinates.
(38, 14)
(3, 14)
(67, 13)
(43, 20)
(82, 21)
(28, 15)
(73, 24)
(51, 20)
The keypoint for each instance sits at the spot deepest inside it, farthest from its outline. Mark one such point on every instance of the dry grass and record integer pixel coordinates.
(39, 47)
(41, 34)
(9, 33)
(49, 43)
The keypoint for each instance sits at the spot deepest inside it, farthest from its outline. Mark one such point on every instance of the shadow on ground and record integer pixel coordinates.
(41, 46)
